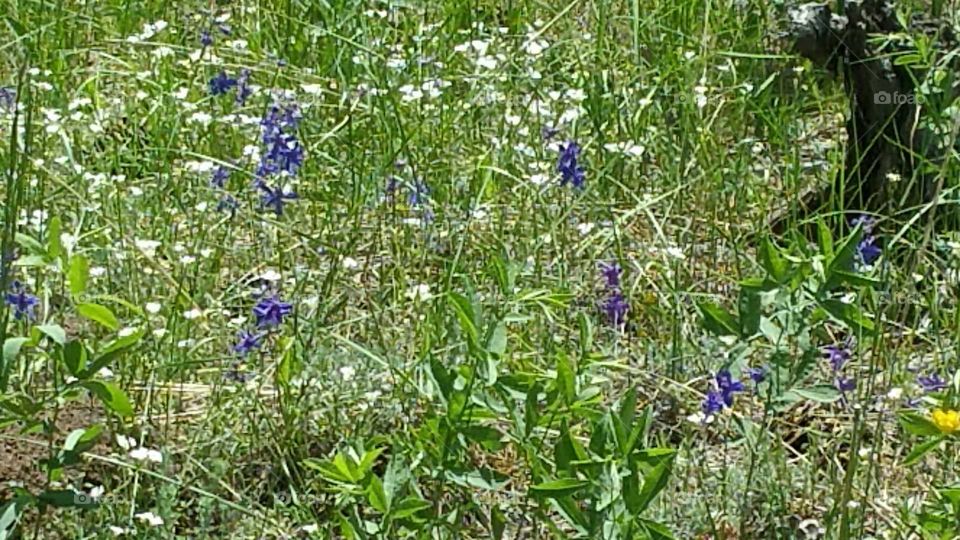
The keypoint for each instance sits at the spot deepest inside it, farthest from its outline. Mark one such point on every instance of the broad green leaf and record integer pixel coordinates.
(78, 439)
(31, 244)
(409, 506)
(54, 332)
(718, 320)
(497, 344)
(376, 496)
(75, 357)
(11, 348)
(464, 309)
(559, 488)
(111, 395)
(825, 239)
(822, 393)
(772, 262)
(498, 523)
(846, 254)
(848, 314)
(586, 334)
(327, 470)
(653, 483)
(921, 450)
(655, 530)
(918, 425)
(78, 275)
(99, 314)
(566, 379)
(368, 460)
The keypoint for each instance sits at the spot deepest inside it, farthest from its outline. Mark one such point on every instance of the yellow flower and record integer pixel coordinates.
(946, 421)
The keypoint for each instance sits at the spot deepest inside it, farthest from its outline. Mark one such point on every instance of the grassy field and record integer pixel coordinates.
(456, 269)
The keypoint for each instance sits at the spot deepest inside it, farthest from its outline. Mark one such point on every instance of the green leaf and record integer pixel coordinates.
(718, 320)
(586, 334)
(748, 307)
(11, 348)
(99, 314)
(54, 332)
(846, 255)
(772, 261)
(559, 488)
(376, 496)
(54, 245)
(368, 460)
(442, 378)
(921, 450)
(498, 523)
(822, 393)
(848, 314)
(566, 379)
(497, 344)
(531, 411)
(918, 425)
(655, 530)
(78, 275)
(825, 239)
(75, 357)
(9, 517)
(112, 350)
(31, 244)
(410, 506)
(81, 439)
(464, 310)
(653, 483)
(31, 261)
(327, 471)
(111, 395)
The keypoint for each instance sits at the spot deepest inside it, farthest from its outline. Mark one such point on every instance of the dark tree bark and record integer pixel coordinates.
(885, 138)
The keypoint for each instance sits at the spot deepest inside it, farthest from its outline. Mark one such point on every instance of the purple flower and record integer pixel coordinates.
(846, 384)
(757, 374)
(611, 273)
(219, 177)
(419, 194)
(568, 166)
(243, 87)
(713, 403)
(205, 38)
(931, 383)
(270, 311)
(615, 308)
(22, 302)
(274, 198)
(8, 97)
(728, 386)
(868, 251)
(281, 149)
(837, 355)
(864, 221)
(221, 84)
(246, 342)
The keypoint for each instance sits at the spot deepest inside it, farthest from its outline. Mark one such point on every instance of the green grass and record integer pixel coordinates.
(490, 280)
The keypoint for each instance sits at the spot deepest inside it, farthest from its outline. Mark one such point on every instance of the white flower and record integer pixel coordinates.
(312, 89)
(347, 373)
(535, 47)
(98, 271)
(487, 62)
(350, 263)
(576, 94)
(117, 531)
(586, 228)
(201, 118)
(153, 308)
(148, 247)
(194, 313)
(675, 252)
(127, 331)
(310, 529)
(146, 454)
(150, 519)
(420, 291)
(539, 179)
(125, 442)
(271, 275)
(105, 373)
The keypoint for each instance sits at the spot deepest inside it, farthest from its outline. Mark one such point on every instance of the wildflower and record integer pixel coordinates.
(419, 193)
(219, 177)
(728, 386)
(868, 251)
(947, 421)
(274, 198)
(243, 87)
(838, 355)
(931, 383)
(23, 302)
(611, 273)
(271, 311)
(227, 204)
(757, 374)
(247, 341)
(205, 38)
(865, 222)
(615, 307)
(149, 518)
(221, 84)
(845, 384)
(8, 97)
(713, 403)
(568, 166)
